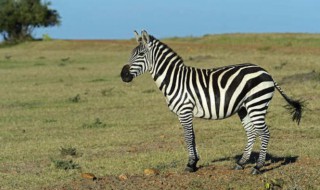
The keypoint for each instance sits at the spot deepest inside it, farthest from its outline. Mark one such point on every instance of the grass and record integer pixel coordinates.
(65, 164)
(58, 93)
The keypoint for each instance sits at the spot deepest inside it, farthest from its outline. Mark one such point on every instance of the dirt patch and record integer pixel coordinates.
(212, 176)
(205, 178)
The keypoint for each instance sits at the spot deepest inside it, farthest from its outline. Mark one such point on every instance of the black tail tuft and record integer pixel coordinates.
(295, 108)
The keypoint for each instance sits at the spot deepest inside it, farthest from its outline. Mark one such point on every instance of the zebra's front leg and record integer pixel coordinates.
(189, 136)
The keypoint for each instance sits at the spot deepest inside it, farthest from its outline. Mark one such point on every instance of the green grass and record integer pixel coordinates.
(69, 94)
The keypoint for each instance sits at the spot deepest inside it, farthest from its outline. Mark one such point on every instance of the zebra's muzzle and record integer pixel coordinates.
(125, 74)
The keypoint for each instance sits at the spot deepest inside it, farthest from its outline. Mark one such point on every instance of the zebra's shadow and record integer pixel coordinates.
(272, 161)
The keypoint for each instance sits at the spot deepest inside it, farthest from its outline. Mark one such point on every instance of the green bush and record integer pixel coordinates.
(20, 18)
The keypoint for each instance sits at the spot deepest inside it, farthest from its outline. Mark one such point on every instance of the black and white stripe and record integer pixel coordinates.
(217, 93)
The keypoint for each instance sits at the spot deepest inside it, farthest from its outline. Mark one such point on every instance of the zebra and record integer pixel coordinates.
(218, 93)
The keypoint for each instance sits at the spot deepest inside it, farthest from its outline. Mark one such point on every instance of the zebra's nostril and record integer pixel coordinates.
(125, 74)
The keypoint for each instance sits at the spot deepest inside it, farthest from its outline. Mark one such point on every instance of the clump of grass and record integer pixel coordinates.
(99, 80)
(163, 166)
(196, 183)
(27, 105)
(65, 164)
(65, 59)
(288, 44)
(310, 76)
(96, 124)
(69, 151)
(75, 99)
(148, 91)
(274, 184)
(50, 120)
(8, 57)
(39, 64)
(282, 64)
(107, 92)
(264, 48)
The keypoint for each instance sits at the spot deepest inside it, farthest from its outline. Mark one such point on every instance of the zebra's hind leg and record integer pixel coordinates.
(251, 136)
(264, 136)
(258, 119)
(189, 136)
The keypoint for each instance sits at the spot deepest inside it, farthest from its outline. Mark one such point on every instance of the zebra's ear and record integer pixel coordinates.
(138, 38)
(145, 37)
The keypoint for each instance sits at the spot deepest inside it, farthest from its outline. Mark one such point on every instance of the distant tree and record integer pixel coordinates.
(18, 18)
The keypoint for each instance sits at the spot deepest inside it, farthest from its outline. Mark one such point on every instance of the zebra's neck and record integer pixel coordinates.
(166, 64)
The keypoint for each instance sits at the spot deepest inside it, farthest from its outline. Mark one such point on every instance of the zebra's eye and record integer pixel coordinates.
(141, 54)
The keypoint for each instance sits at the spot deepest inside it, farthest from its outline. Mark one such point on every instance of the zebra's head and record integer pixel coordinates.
(139, 60)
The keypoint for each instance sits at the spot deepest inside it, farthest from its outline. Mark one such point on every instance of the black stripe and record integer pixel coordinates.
(206, 78)
(162, 67)
(226, 77)
(180, 96)
(260, 93)
(203, 80)
(174, 73)
(195, 86)
(264, 101)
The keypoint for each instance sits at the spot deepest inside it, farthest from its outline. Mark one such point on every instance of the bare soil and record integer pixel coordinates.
(214, 176)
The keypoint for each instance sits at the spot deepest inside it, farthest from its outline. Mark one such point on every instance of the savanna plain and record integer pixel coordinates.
(67, 121)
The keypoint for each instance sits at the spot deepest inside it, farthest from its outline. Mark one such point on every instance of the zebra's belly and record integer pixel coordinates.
(207, 113)
(201, 114)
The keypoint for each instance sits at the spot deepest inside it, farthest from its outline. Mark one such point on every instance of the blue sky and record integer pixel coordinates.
(116, 19)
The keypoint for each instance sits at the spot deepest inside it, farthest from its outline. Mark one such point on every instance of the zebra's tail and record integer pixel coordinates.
(295, 107)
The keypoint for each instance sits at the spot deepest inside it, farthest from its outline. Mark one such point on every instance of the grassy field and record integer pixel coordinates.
(64, 111)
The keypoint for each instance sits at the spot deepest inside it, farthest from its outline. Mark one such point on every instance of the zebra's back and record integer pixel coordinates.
(218, 93)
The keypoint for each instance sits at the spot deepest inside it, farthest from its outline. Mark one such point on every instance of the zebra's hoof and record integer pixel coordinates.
(255, 171)
(238, 167)
(191, 169)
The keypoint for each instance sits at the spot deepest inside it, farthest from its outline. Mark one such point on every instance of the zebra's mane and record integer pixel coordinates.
(155, 40)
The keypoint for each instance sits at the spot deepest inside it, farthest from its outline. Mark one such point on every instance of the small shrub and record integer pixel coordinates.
(75, 99)
(274, 184)
(46, 37)
(65, 164)
(65, 59)
(70, 151)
